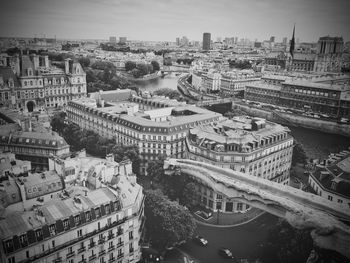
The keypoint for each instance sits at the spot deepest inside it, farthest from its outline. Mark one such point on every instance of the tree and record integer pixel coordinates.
(136, 73)
(155, 65)
(189, 195)
(131, 152)
(130, 65)
(143, 68)
(287, 244)
(85, 62)
(167, 222)
(299, 155)
(150, 68)
(57, 122)
(155, 169)
(172, 94)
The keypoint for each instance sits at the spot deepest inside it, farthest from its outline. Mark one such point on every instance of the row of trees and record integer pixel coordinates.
(170, 93)
(141, 69)
(168, 222)
(94, 144)
(102, 76)
(240, 64)
(185, 61)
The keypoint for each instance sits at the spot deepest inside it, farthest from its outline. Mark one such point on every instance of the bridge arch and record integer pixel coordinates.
(301, 209)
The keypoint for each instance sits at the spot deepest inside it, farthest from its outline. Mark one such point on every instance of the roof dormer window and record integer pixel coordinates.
(30, 72)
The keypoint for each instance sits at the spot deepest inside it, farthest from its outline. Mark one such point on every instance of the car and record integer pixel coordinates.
(200, 240)
(225, 252)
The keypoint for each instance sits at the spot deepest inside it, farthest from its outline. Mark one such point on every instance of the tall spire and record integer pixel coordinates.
(292, 44)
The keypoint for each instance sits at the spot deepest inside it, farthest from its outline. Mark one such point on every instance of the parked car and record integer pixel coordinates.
(225, 252)
(200, 240)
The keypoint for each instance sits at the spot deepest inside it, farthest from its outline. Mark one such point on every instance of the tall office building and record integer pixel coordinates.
(178, 41)
(113, 39)
(284, 41)
(272, 39)
(122, 40)
(206, 41)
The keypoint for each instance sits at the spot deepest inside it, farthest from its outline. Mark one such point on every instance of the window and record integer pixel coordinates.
(340, 201)
(77, 219)
(52, 229)
(131, 235)
(11, 260)
(88, 216)
(27, 254)
(330, 198)
(80, 232)
(97, 212)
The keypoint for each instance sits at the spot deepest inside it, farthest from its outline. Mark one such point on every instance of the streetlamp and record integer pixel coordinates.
(217, 218)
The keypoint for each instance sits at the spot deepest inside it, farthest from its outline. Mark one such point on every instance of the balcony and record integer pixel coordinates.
(119, 256)
(101, 253)
(71, 254)
(120, 232)
(82, 249)
(57, 260)
(111, 248)
(101, 240)
(92, 244)
(111, 260)
(92, 257)
(82, 261)
(111, 236)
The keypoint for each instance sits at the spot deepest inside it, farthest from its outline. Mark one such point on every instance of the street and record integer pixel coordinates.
(244, 241)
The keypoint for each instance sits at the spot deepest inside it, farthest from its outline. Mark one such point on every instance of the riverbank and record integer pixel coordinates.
(143, 78)
(296, 120)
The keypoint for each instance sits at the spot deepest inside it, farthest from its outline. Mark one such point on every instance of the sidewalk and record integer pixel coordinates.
(229, 219)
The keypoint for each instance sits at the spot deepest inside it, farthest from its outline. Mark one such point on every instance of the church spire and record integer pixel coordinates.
(292, 44)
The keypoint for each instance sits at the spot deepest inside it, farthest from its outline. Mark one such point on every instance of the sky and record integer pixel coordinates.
(164, 20)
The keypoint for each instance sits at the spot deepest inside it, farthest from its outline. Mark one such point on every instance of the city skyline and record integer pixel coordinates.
(163, 21)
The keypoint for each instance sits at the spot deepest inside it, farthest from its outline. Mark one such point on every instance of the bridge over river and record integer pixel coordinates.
(301, 209)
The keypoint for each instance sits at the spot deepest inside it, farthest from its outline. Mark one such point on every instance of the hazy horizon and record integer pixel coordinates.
(160, 20)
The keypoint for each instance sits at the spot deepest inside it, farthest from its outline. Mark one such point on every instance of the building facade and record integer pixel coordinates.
(35, 147)
(157, 125)
(34, 84)
(253, 146)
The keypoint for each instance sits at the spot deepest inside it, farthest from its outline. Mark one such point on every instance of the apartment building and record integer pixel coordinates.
(72, 223)
(249, 145)
(331, 178)
(157, 125)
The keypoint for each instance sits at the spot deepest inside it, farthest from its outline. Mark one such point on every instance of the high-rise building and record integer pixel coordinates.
(206, 41)
(272, 39)
(285, 41)
(178, 41)
(122, 40)
(113, 39)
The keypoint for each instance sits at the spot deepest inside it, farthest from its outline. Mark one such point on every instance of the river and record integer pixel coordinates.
(168, 81)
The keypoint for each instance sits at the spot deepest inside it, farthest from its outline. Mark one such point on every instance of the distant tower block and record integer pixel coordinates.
(206, 41)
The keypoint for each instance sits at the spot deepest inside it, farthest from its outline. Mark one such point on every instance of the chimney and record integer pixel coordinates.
(16, 65)
(66, 65)
(35, 59)
(46, 61)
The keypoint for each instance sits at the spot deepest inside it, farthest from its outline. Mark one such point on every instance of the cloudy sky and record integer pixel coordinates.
(168, 19)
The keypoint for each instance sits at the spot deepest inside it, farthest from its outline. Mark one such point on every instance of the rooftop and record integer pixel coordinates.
(335, 175)
(239, 130)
